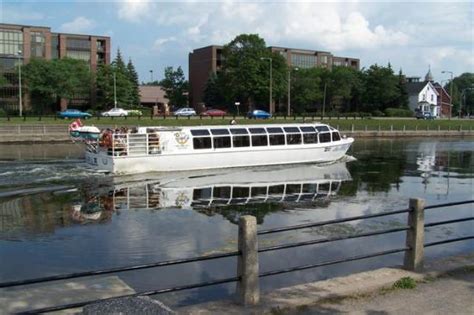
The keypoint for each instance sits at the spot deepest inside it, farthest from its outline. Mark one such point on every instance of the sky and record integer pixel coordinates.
(413, 36)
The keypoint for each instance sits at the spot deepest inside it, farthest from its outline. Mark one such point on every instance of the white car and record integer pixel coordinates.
(115, 112)
(185, 111)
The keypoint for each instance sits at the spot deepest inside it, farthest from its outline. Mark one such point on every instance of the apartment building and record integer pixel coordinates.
(20, 43)
(207, 60)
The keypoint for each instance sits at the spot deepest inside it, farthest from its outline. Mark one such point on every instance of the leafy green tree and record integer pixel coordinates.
(175, 86)
(214, 95)
(47, 81)
(122, 82)
(464, 101)
(346, 85)
(246, 71)
(380, 88)
(133, 77)
(105, 86)
(307, 89)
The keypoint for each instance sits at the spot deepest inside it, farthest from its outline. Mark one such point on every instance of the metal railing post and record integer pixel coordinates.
(248, 289)
(415, 235)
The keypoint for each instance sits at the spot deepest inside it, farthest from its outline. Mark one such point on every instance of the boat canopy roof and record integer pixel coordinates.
(215, 130)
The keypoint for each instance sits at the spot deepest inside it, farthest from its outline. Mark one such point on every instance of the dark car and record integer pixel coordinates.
(214, 113)
(424, 115)
(258, 113)
(73, 113)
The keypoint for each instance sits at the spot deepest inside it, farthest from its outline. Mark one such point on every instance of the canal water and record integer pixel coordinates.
(58, 217)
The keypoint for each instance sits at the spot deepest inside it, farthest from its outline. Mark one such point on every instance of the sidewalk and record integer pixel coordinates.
(446, 287)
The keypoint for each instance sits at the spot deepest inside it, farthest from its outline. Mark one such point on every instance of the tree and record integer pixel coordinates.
(214, 95)
(105, 86)
(122, 82)
(307, 89)
(463, 102)
(175, 86)
(246, 71)
(48, 81)
(381, 89)
(133, 77)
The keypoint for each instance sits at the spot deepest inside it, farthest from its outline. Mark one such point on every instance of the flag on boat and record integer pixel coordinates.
(75, 125)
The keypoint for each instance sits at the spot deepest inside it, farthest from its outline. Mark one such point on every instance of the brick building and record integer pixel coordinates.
(20, 43)
(207, 60)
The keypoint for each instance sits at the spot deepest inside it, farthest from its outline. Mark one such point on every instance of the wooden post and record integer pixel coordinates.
(248, 291)
(415, 236)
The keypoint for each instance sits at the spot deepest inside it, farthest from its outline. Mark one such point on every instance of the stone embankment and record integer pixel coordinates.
(59, 134)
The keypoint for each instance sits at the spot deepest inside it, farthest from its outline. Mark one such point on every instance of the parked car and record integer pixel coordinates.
(214, 113)
(185, 111)
(424, 115)
(115, 112)
(258, 113)
(73, 113)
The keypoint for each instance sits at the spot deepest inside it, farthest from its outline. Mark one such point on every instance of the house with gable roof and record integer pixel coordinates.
(423, 96)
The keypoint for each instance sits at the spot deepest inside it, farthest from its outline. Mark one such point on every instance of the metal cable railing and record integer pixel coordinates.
(118, 269)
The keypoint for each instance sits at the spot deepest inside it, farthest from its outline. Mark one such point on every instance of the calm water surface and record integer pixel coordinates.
(58, 217)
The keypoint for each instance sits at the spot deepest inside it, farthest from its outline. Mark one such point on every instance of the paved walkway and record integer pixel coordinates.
(446, 287)
(449, 294)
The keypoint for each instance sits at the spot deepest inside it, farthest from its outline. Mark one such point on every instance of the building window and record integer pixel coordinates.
(78, 44)
(303, 60)
(11, 42)
(81, 55)
(54, 46)
(37, 44)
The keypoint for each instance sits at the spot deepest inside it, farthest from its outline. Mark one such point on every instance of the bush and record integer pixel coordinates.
(135, 112)
(3, 112)
(377, 113)
(398, 112)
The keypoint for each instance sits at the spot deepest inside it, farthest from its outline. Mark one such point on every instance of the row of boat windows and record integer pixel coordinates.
(258, 130)
(259, 140)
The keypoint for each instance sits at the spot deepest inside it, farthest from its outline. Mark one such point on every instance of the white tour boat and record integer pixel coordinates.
(161, 149)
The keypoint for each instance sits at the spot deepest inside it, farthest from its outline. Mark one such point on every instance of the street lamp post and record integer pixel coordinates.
(451, 92)
(289, 90)
(270, 104)
(151, 75)
(20, 93)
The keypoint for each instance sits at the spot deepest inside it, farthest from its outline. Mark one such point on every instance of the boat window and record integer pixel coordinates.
(293, 138)
(277, 139)
(322, 128)
(292, 192)
(240, 192)
(275, 192)
(241, 141)
(259, 141)
(274, 130)
(258, 192)
(200, 132)
(336, 136)
(310, 189)
(310, 138)
(291, 129)
(325, 137)
(202, 143)
(307, 129)
(202, 193)
(221, 142)
(257, 130)
(221, 192)
(220, 131)
(238, 131)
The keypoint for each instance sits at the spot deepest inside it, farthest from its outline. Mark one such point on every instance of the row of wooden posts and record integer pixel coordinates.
(248, 288)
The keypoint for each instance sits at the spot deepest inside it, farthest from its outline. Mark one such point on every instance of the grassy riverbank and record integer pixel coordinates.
(342, 123)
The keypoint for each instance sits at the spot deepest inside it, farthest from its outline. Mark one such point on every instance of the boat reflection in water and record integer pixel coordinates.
(241, 190)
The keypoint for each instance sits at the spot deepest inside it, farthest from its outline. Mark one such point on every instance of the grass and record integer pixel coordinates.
(405, 283)
(342, 123)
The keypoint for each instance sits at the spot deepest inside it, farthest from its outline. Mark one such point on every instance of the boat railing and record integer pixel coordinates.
(133, 144)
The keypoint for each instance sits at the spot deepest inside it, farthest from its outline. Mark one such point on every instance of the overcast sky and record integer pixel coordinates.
(154, 34)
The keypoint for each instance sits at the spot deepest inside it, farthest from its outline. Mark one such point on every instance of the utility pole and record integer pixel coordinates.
(20, 96)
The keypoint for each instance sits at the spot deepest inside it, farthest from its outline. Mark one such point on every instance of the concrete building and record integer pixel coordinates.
(207, 60)
(20, 43)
